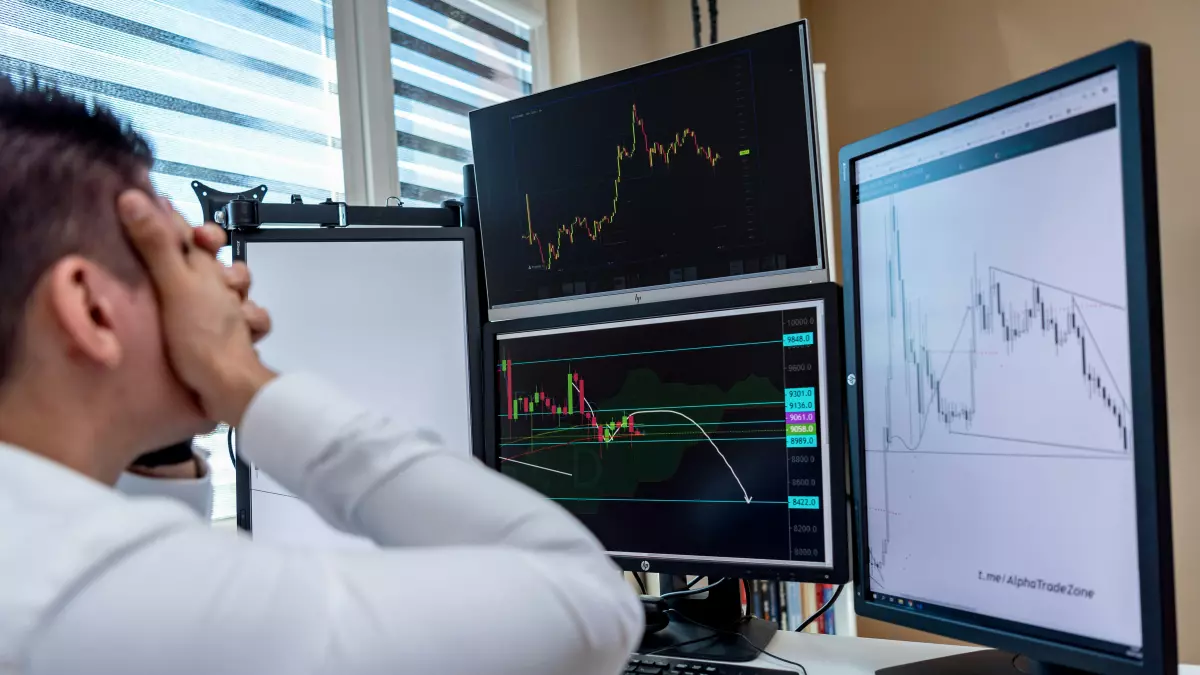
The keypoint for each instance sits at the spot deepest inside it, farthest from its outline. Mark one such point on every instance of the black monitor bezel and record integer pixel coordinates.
(241, 239)
(829, 293)
(1131, 61)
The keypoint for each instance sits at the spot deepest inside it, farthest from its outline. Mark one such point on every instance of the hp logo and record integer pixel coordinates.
(851, 379)
(645, 565)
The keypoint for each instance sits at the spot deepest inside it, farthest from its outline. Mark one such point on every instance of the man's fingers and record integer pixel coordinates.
(210, 237)
(237, 277)
(156, 237)
(257, 319)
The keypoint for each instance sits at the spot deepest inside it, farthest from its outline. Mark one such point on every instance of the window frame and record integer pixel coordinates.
(366, 99)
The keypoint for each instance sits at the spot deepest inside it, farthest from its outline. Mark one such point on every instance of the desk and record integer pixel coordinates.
(834, 655)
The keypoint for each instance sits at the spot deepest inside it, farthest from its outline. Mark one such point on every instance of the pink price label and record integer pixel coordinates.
(801, 417)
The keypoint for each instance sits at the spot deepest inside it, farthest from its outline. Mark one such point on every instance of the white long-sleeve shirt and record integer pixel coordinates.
(476, 573)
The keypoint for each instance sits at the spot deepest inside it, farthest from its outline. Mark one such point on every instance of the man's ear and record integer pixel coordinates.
(81, 299)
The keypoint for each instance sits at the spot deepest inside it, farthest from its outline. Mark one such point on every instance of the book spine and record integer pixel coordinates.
(776, 608)
(830, 620)
(794, 607)
(809, 600)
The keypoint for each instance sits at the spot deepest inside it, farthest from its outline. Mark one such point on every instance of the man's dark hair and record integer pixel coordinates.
(63, 161)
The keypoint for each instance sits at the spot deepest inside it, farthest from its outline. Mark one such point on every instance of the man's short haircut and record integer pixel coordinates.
(63, 161)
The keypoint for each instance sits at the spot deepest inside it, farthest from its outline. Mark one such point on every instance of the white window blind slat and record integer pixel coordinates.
(448, 58)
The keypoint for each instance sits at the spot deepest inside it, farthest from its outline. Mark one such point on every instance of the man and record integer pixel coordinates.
(107, 353)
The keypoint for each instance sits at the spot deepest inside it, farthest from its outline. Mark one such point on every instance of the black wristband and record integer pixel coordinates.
(172, 454)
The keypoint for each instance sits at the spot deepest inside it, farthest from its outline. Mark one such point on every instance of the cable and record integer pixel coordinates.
(717, 631)
(696, 22)
(641, 584)
(693, 582)
(824, 608)
(712, 22)
(692, 591)
(229, 444)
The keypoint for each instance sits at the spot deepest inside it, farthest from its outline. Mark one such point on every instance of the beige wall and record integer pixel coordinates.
(595, 37)
(892, 60)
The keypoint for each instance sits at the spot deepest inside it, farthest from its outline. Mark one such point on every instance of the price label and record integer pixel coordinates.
(802, 441)
(804, 502)
(797, 339)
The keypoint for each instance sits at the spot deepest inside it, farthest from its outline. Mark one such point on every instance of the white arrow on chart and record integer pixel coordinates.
(745, 495)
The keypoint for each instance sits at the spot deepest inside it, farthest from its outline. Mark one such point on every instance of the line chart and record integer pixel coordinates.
(995, 380)
(1000, 314)
(592, 227)
(924, 386)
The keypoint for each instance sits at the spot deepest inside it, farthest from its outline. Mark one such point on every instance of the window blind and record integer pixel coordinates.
(233, 93)
(448, 58)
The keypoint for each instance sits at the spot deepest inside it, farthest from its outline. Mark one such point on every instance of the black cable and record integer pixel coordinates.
(692, 591)
(824, 608)
(712, 22)
(641, 584)
(760, 650)
(693, 582)
(696, 22)
(229, 444)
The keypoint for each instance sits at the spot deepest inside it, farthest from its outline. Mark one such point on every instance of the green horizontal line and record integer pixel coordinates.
(698, 439)
(655, 351)
(661, 407)
(687, 501)
(643, 426)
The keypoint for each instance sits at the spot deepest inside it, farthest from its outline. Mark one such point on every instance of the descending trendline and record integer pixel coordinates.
(550, 251)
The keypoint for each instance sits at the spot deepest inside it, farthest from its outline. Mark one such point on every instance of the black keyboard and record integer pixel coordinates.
(661, 665)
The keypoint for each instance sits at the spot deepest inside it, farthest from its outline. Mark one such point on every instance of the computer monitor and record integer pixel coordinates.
(654, 183)
(699, 436)
(1005, 362)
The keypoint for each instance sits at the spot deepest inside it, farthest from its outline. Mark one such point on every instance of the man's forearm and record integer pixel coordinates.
(366, 476)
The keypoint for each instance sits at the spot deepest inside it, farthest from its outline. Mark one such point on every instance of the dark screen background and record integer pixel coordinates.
(663, 489)
(590, 179)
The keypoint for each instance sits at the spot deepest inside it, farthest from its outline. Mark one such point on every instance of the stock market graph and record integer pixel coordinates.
(692, 168)
(696, 437)
(995, 370)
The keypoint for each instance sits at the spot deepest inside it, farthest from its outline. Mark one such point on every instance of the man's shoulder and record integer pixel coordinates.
(60, 530)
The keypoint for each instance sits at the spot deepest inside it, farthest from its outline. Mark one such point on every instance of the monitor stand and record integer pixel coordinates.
(983, 662)
(722, 609)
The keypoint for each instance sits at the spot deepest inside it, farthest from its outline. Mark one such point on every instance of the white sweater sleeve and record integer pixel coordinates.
(477, 573)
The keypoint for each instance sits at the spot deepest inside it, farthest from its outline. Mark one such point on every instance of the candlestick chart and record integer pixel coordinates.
(592, 228)
(660, 421)
(659, 178)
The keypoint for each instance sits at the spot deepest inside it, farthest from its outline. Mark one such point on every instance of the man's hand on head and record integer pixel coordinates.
(209, 326)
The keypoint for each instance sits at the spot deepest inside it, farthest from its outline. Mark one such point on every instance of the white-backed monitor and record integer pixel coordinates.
(657, 181)
(1004, 349)
(699, 436)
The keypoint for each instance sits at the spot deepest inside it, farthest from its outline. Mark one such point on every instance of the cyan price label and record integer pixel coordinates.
(797, 339)
(802, 441)
(800, 393)
(804, 502)
(800, 406)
